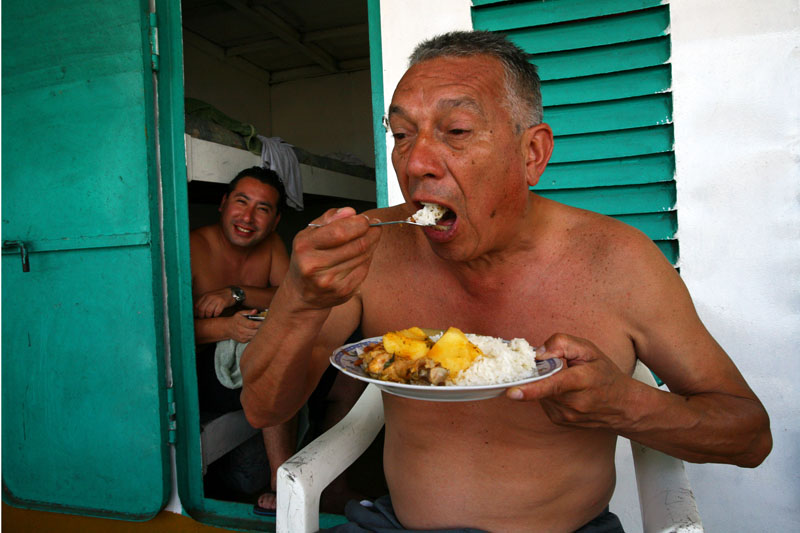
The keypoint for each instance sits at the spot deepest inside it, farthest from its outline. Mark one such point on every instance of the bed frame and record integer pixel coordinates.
(215, 154)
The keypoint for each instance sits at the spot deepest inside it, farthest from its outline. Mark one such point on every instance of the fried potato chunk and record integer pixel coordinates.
(454, 351)
(411, 343)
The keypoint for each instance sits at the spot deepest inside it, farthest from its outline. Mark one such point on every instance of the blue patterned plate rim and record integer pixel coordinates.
(345, 356)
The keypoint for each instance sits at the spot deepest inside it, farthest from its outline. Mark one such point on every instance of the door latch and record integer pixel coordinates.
(10, 245)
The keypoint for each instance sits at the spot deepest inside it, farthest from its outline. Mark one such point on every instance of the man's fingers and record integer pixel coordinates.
(572, 349)
(539, 389)
(336, 214)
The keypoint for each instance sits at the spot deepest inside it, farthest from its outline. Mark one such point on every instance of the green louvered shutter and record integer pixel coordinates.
(606, 89)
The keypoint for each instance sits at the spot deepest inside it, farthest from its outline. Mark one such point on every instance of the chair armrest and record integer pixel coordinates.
(665, 496)
(302, 478)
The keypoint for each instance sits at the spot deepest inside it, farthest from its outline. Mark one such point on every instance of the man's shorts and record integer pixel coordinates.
(379, 517)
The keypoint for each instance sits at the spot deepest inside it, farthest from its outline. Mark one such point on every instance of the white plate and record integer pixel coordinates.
(344, 358)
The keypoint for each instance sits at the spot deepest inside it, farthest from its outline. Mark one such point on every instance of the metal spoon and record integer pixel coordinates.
(435, 226)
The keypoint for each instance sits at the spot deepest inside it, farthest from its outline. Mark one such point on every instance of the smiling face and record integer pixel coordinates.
(249, 213)
(456, 145)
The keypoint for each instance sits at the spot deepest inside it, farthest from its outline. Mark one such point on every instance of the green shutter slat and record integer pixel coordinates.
(487, 2)
(603, 59)
(593, 32)
(624, 171)
(610, 115)
(670, 249)
(657, 226)
(612, 144)
(627, 84)
(626, 200)
(506, 16)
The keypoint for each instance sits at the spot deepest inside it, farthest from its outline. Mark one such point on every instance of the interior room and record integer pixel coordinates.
(296, 73)
(292, 70)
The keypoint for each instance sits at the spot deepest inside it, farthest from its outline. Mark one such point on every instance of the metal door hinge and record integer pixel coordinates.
(12, 245)
(172, 424)
(154, 41)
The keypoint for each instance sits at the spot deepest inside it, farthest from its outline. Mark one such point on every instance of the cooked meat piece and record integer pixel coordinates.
(380, 364)
(438, 375)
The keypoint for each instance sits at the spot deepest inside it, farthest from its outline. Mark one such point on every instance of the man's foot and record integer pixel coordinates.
(266, 504)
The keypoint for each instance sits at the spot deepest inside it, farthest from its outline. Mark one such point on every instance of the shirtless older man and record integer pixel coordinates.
(237, 265)
(466, 120)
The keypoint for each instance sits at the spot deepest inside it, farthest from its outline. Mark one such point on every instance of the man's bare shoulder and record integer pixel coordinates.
(200, 241)
(607, 241)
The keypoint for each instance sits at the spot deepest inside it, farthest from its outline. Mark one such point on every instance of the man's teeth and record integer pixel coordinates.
(243, 230)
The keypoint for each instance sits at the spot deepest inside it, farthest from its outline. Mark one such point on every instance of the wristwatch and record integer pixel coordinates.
(237, 293)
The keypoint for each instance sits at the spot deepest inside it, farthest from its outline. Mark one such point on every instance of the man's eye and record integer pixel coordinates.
(458, 132)
(399, 136)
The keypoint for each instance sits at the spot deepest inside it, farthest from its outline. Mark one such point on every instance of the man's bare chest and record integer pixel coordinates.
(531, 307)
(217, 274)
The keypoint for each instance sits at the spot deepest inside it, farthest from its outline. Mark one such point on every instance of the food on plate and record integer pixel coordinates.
(410, 343)
(452, 358)
(454, 351)
(429, 215)
(401, 358)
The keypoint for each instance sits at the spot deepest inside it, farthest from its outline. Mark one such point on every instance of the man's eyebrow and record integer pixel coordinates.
(465, 102)
(396, 110)
(445, 104)
(243, 195)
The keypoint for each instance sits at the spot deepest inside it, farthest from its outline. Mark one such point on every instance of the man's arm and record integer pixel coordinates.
(237, 327)
(710, 413)
(314, 310)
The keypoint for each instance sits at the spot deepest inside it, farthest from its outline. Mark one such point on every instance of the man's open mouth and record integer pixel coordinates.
(242, 229)
(447, 219)
(433, 215)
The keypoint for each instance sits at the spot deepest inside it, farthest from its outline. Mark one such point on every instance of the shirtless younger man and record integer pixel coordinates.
(237, 265)
(466, 119)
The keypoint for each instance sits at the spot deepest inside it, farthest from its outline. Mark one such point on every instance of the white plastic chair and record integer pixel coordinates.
(665, 497)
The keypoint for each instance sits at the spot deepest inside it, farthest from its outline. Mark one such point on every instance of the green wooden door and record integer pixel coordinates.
(84, 402)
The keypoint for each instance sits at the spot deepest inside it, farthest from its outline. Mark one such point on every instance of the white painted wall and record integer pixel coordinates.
(404, 23)
(736, 83)
(241, 93)
(327, 114)
(736, 98)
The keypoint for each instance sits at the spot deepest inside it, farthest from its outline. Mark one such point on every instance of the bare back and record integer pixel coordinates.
(501, 463)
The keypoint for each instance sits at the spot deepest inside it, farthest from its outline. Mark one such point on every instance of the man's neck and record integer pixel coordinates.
(525, 248)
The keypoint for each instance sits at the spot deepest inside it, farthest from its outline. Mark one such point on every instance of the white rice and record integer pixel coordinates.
(501, 362)
(429, 214)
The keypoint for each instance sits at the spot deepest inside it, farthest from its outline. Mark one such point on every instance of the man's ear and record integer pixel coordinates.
(538, 146)
(222, 203)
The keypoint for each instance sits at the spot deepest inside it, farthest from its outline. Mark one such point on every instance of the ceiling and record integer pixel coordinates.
(281, 40)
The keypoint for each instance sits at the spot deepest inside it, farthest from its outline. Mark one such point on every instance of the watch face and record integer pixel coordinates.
(238, 293)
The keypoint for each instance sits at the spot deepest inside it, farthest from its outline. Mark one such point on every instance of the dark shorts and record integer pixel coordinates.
(380, 518)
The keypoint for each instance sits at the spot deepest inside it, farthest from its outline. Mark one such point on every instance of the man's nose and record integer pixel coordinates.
(424, 158)
(248, 213)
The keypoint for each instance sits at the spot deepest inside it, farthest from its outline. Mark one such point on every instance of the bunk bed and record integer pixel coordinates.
(218, 147)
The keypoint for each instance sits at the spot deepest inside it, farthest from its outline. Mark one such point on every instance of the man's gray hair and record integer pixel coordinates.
(522, 82)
